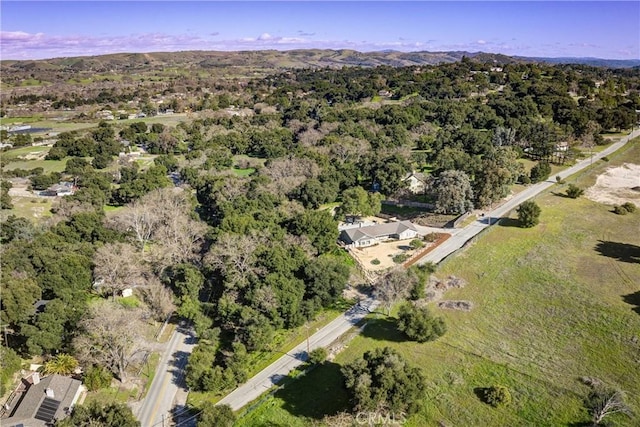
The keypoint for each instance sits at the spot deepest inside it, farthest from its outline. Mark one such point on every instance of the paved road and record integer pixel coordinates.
(279, 369)
(272, 374)
(169, 379)
(462, 236)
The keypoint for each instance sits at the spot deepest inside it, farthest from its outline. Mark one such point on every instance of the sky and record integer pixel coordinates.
(48, 29)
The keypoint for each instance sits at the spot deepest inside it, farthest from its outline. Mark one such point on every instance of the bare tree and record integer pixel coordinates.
(163, 217)
(393, 287)
(234, 256)
(158, 298)
(605, 402)
(110, 337)
(117, 267)
(177, 239)
(140, 218)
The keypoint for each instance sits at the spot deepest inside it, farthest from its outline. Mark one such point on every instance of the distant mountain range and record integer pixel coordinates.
(279, 60)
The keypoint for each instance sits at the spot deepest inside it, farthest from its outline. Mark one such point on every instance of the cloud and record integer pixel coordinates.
(24, 45)
(305, 34)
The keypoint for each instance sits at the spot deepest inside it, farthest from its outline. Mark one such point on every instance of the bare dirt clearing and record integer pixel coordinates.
(617, 186)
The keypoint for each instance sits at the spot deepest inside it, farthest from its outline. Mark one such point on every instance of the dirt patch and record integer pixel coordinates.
(456, 305)
(436, 288)
(617, 186)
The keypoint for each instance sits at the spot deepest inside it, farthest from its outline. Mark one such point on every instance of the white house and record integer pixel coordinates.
(416, 182)
(371, 235)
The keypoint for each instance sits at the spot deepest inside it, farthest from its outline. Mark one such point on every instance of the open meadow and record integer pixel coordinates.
(552, 304)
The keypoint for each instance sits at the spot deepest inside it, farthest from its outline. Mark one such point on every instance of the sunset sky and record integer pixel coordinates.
(35, 30)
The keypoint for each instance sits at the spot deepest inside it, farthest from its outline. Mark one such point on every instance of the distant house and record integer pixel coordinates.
(40, 402)
(373, 234)
(61, 189)
(416, 182)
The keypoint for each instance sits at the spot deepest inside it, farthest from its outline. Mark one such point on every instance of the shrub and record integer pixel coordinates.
(375, 261)
(559, 180)
(400, 258)
(528, 214)
(630, 207)
(497, 395)
(418, 323)
(524, 179)
(431, 237)
(416, 243)
(317, 355)
(574, 191)
(620, 210)
(97, 377)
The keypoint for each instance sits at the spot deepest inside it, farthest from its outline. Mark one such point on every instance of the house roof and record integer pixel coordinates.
(37, 408)
(379, 230)
(418, 175)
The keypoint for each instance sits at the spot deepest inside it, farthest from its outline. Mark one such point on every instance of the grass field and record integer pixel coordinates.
(551, 304)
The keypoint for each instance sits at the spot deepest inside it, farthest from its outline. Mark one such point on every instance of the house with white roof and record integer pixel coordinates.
(373, 234)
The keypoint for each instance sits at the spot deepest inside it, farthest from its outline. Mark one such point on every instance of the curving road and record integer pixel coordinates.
(169, 380)
(270, 376)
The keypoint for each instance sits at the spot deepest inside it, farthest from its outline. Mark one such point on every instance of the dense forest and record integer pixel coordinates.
(246, 256)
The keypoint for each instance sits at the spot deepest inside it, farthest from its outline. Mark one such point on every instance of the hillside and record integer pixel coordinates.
(274, 60)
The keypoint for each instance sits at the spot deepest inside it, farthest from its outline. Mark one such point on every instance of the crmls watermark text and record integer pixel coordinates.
(378, 419)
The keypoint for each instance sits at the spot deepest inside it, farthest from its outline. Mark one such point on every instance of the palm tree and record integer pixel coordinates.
(62, 364)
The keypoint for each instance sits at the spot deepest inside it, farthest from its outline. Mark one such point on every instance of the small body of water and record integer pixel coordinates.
(30, 130)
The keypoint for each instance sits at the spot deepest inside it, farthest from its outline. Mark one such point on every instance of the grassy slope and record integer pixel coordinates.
(549, 308)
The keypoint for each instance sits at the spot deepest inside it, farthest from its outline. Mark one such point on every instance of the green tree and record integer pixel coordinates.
(97, 377)
(574, 191)
(453, 193)
(319, 226)
(383, 381)
(99, 414)
(528, 214)
(10, 363)
(356, 201)
(5, 198)
(418, 323)
(217, 416)
(317, 355)
(497, 395)
(540, 172)
(326, 278)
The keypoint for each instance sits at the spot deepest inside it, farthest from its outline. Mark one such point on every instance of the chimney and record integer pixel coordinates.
(36, 378)
(49, 393)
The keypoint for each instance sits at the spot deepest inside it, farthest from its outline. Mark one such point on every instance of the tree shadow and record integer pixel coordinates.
(178, 364)
(384, 329)
(633, 299)
(560, 194)
(624, 252)
(509, 222)
(481, 393)
(317, 394)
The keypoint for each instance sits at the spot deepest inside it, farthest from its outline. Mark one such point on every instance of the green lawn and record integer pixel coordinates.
(243, 172)
(551, 304)
(32, 208)
(14, 153)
